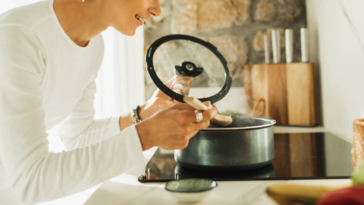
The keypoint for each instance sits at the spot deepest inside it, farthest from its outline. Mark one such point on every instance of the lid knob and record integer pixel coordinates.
(188, 68)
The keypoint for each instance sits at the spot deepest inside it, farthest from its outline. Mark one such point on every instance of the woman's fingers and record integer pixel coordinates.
(170, 82)
(182, 79)
(179, 84)
(184, 83)
(189, 115)
(178, 126)
(159, 93)
(208, 104)
(185, 106)
(178, 88)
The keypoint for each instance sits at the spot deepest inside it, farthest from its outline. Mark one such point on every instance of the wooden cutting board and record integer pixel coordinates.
(268, 82)
(287, 89)
(301, 94)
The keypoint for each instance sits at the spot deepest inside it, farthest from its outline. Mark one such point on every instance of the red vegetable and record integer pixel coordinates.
(348, 196)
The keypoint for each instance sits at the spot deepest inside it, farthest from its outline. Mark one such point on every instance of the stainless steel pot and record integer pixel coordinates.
(246, 144)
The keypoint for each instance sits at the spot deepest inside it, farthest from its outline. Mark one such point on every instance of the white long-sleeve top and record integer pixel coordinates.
(45, 80)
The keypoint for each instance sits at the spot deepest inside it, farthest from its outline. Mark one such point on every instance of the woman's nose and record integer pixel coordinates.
(155, 10)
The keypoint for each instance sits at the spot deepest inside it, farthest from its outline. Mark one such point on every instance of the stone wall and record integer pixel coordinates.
(235, 27)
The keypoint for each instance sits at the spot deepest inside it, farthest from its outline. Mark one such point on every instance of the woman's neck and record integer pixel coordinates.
(81, 21)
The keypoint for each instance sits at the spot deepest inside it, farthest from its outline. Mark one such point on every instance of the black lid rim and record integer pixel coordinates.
(150, 67)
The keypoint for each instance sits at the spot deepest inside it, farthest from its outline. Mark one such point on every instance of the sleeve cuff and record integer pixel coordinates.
(115, 129)
(131, 137)
(133, 142)
(115, 126)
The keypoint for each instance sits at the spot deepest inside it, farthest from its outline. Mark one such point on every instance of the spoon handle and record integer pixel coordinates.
(218, 120)
(196, 103)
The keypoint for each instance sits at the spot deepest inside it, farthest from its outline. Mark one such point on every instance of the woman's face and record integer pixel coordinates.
(128, 15)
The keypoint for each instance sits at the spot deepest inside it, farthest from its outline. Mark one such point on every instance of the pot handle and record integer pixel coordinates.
(261, 100)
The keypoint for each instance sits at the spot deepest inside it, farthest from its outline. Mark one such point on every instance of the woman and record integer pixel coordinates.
(50, 53)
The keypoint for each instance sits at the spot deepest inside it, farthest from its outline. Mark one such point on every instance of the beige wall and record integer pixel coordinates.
(338, 50)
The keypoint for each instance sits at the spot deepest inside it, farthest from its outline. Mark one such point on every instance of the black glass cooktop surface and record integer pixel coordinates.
(297, 156)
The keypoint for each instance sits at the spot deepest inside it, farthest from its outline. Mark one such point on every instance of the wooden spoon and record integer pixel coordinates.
(218, 120)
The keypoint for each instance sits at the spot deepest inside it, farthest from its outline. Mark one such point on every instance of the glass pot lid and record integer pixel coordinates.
(198, 69)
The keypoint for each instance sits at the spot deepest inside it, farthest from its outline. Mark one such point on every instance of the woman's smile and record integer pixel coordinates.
(127, 15)
(140, 19)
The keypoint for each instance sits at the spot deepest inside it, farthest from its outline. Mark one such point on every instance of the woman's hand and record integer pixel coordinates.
(172, 127)
(181, 84)
(159, 100)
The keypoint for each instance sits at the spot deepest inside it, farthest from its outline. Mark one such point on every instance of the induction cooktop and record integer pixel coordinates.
(297, 156)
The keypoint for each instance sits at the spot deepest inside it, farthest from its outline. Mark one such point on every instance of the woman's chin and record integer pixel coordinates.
(130, 32)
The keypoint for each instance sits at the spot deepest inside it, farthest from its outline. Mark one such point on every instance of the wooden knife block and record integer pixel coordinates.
(287, 90)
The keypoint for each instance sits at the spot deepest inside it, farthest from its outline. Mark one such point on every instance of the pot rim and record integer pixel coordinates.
(272, 123)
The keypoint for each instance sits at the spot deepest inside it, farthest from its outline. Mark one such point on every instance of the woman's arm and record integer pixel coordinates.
(34, 174)
(80, 129)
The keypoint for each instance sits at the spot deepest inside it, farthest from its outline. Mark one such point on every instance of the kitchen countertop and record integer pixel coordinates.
(297, 129)
(125, 189)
